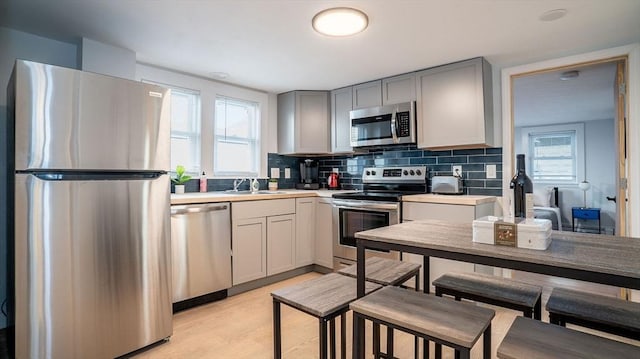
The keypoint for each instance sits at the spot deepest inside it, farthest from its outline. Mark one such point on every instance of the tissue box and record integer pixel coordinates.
(530, 233)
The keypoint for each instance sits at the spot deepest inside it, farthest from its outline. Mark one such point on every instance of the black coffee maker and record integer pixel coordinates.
(308, 175)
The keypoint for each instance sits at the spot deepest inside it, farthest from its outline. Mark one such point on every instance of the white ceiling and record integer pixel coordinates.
(270, 45)
(543, 99)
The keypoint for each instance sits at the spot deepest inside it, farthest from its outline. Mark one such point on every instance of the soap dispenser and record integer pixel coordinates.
(203, 182)
(255, 185)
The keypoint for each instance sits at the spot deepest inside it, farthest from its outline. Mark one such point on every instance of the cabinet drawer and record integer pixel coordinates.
(586, 213)
(265, 208)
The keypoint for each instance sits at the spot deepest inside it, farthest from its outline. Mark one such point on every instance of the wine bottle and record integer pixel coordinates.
(522, 191)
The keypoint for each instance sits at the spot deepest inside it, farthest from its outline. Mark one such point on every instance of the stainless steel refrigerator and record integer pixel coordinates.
(89, 213)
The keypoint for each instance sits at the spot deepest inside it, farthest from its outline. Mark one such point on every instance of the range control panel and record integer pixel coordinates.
(408, 174)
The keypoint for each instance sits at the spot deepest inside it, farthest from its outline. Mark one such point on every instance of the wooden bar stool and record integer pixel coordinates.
(325, 298)
(599, 312)
(446, 322)
(386, 272)
(528, 338)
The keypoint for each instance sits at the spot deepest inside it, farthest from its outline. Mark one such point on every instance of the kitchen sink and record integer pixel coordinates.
(230, 191)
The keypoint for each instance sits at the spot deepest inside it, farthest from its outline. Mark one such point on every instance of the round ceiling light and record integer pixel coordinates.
(340, 21)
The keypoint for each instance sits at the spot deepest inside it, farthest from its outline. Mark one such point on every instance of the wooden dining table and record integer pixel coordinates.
(593, 258)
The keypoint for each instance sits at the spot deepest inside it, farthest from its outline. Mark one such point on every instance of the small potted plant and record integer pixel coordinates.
(180, 179)
(273, 184)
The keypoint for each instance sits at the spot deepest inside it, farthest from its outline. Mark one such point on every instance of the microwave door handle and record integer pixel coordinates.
(394, 128)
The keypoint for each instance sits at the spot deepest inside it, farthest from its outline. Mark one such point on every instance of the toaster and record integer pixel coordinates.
(446, 185)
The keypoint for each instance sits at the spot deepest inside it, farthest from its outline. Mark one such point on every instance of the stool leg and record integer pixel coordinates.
(376, 340)
(323, 338)
(438, 352)
(486, 344)
(332, 339)
(463, 354)
(416, 340)
(425, 349)
(343, 335)
(277, 335)
(358, 342)
(537, 310)
(389, 342)
(527, 313)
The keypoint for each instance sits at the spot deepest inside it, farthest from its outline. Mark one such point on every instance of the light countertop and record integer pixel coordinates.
(221, 196)
(467, 200)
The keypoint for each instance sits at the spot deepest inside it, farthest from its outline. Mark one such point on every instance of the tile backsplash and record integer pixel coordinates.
(473, 162)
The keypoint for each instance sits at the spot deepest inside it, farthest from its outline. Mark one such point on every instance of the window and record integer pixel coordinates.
(185, 129)
(555, 154)
(236, 150)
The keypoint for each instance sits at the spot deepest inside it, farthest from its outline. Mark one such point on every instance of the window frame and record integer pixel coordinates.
(579, 157)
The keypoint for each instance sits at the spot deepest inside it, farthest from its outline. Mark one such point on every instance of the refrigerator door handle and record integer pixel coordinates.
(93, 176)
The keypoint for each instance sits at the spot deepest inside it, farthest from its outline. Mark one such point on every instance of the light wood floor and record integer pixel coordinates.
(241, 327)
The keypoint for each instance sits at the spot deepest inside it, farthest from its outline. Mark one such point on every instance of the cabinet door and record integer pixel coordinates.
(341, 105)
(312, 122)
(249, 247)
(368, 94)
(413, 211)
(281, 232)
(306, 231)
(399, 89)
(324, 233)
(455, 106)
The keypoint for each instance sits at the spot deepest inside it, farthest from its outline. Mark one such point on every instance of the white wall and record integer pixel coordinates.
(20, 45)
(208, 91)
(107, 59)
(600, 171)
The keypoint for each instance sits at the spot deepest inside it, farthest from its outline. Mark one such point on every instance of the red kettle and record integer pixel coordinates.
(333, 182)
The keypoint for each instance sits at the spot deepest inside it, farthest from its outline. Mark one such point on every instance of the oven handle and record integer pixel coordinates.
(366, 205)
(394, 129)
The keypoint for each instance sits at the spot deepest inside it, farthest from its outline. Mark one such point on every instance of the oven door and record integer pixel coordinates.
(351, 216)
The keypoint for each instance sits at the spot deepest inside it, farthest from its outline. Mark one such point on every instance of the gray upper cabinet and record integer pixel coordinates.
(399, 89)
(455, 105)
(341, 104)
(303, 122)
(368, 94)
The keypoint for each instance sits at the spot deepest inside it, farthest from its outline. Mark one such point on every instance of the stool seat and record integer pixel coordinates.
(528, 338)
(492, 290)
(384, 271)
(325, 298)
(451, 323)
(322, 296)
(594, 311)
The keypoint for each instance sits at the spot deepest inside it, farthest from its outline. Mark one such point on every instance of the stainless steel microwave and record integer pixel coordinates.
(384, 125)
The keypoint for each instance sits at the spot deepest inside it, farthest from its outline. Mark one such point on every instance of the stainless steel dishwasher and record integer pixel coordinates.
(201, 249)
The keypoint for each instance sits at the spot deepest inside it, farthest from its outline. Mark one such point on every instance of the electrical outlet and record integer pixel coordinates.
(457, 171)
(491, 171)
(335, 170)
(287, 172)
(275, 172)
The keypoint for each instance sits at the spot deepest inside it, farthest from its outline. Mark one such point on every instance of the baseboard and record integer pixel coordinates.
(197, 301)
(258, 283)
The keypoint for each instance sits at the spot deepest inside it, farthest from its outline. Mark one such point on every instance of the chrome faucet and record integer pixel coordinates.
(236, 183)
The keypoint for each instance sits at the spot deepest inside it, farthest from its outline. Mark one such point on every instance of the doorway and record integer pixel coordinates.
(566, 121)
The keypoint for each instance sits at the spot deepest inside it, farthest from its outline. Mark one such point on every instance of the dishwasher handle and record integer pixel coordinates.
(201, 208)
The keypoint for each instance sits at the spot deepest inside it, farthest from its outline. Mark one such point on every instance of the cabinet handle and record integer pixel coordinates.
(197, 209)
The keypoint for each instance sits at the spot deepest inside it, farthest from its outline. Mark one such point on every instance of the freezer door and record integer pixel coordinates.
(92, 266)
(68, 119)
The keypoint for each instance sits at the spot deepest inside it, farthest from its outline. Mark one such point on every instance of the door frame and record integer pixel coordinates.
(632, 54)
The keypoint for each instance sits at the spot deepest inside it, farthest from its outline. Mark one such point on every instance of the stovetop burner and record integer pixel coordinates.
(389, 184)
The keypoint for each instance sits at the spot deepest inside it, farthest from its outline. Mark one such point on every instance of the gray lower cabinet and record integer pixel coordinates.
(201, 249)
(455, 105)
(303, 122)
(263, 238)
(324, 233)
(341, 105)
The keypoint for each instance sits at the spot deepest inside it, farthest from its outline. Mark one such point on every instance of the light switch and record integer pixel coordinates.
(287, 172)
(491, 171)
(275, 172)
